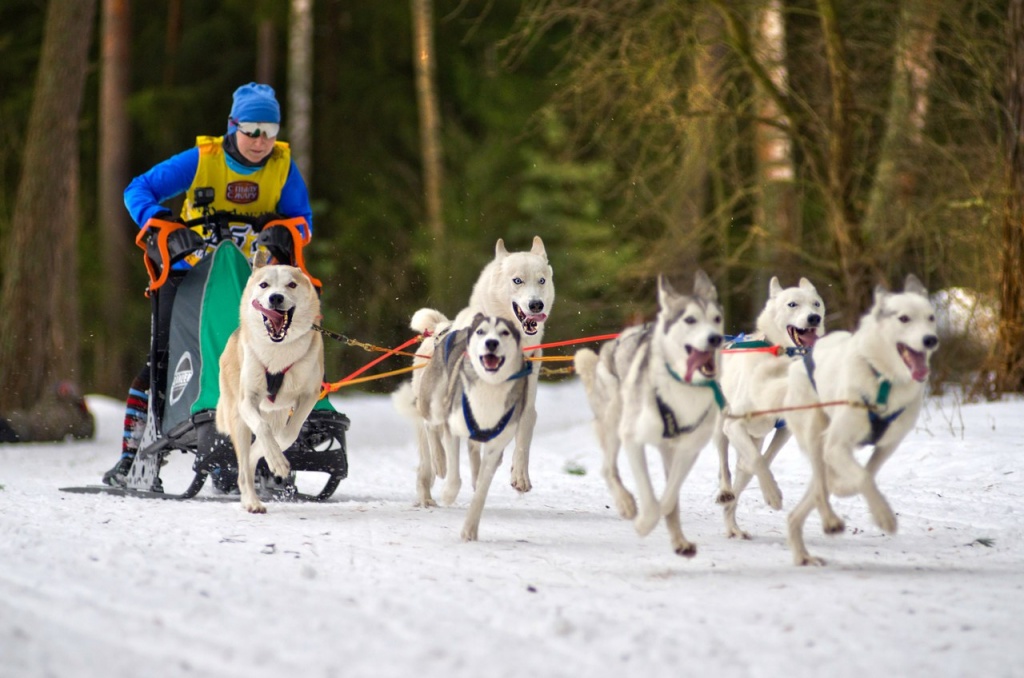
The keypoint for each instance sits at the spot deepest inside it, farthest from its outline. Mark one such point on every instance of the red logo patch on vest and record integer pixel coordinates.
(243, 192)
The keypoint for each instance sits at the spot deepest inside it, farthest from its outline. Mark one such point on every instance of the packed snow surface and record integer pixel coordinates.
(365, 584)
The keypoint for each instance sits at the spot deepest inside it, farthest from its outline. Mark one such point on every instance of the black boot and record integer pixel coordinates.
(118, 475)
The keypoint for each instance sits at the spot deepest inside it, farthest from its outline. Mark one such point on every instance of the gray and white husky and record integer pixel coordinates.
(655, 385)
(879, 375)
(755, 376)
(474, 387)
(519, 286)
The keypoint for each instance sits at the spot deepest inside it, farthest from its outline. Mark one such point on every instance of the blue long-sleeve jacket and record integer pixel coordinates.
(145, 194)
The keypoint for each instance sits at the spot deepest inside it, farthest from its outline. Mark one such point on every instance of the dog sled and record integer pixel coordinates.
(194, 311)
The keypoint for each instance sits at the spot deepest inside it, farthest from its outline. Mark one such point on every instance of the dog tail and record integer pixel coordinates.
(428, 320)
(585, 362)
(404, 401)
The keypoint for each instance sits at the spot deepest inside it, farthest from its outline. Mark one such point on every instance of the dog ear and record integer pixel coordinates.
(774, 287)
(538, 248)
(665, 291)
(703, 287)
(806, 284)
(261, 259)
(914, 285)
(499, 249)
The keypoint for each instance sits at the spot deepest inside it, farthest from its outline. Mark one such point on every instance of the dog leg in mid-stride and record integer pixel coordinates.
(878, 376)
(655, 385)
(270, 373)
(490, 459)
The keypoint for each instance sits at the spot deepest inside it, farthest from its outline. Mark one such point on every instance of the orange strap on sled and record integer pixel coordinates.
(299, 229)
(158, 270)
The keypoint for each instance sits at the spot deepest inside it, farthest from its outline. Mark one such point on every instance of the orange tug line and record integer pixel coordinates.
(326, 388)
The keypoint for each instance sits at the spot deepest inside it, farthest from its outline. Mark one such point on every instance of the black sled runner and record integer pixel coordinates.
(194, 312)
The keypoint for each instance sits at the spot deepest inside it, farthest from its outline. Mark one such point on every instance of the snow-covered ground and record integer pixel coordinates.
(558, 585)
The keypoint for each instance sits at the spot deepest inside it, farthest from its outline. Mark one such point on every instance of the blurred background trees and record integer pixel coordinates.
(851, 143)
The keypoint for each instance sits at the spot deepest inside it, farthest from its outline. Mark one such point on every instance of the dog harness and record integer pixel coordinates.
(274, 382)
(669, 421)
(483, 435)
(878, 422)
(477, 434)
(670, 427)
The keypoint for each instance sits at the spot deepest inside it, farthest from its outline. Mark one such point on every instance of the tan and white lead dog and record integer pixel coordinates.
(270, 372)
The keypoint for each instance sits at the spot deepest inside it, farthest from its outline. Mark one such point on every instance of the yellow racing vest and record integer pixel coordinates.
(250, 194)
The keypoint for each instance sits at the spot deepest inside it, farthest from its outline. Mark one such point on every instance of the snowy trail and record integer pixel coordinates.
(367, 585)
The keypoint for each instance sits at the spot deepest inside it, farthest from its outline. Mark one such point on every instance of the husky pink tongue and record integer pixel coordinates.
(695, 361)
(916, 363)
(275, 318)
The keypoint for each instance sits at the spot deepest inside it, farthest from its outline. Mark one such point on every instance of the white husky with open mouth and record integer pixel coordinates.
(878, 376)
(755, 376)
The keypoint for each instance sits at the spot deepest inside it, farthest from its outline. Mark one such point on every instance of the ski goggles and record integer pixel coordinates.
(254, 129)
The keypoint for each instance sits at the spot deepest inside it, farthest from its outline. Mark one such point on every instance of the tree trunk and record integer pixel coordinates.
(172, 38)
(300, 86)
(1010, 360)
(908, 105)
(430, 140)
(856, 272)
(115, 227)
(776, 209)
(39, 334)
(266, 54)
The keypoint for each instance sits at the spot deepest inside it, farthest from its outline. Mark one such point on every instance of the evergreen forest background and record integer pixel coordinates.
(848, 142)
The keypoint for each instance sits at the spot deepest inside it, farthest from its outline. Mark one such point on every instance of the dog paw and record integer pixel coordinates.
(734, 532)
(469, 532)
(685, 549)
(725, 497)
(521, 482)
(450, 492)
(645, 522)
(425, 503)
(279, 467)
(834, 525)
(805, 559)
(625, 504)
(255, 506)
(772, 494)
(885, 519)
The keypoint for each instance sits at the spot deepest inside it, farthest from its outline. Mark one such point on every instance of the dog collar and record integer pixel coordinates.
(711, 383)
(482, 435)
(525, 372)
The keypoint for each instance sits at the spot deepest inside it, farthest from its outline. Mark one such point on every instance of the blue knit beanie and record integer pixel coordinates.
(254, 103)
